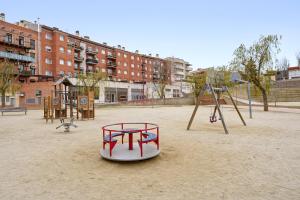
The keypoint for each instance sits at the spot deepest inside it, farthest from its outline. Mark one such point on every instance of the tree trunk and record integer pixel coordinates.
(2, 99)
(265, 99)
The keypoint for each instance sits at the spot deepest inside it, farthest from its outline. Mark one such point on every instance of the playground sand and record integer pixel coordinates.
(260, 161)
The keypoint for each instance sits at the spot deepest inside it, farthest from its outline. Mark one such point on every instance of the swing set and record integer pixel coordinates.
(216, 93)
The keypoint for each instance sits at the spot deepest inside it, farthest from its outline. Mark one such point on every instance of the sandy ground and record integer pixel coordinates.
(260, 161)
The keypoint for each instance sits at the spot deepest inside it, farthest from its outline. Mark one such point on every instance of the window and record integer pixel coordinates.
(61, 38)
(48, 61)
(8, 38)
(138, 58)
(48, 48)
(125, 55)
(132, 73)
(61, 61)
(150, 62)
(146, 61)
(125, 72)
(103, 70)
(48, 36)
(132, 65)
(32, 44)
(138, 74)
(119, 63)
(132, 57)
(76, 65)
(61, 49)
(21, 41)
(103, 61)
(103, 51)
(69, 51)
(119, 54)
(21, 68)
(32, 55)
(48, 73)
(125, 64)
(61, 73)
(119, 71)
(69, 63)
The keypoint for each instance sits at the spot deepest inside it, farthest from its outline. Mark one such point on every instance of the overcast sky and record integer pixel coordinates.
(205, 33)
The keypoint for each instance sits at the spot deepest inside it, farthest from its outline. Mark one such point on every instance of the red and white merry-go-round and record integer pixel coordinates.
(145, 147)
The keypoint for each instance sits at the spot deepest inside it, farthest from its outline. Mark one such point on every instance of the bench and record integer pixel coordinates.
(148, 137)
(13, 109)
(111, 141)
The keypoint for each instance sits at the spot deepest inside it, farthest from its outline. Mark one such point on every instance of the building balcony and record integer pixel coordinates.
(17, 57)
(111, 56)
(16, 44)
(91, 51)
(189, 69)
(78, 58)
(92, 61)
(77, 47)
(111, 73)
(111, 64)
(26, 73)
(71, 44)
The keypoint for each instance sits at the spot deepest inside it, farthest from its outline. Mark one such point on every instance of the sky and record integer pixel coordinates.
(204, 32)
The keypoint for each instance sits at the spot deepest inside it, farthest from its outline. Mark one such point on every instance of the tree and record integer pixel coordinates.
(252, 62)
(197, 80)
(88, 81)
(298, 58)
(161, 77)
(282, 69)
(8, 83)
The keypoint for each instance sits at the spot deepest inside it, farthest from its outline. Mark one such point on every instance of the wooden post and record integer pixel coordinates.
(71, 101)
(218, 107)
(196, 107)
(236, 108)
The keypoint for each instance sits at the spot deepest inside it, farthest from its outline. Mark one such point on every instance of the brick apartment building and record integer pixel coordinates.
(43, 54)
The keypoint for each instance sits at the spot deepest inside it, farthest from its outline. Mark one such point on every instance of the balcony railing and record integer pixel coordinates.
(111, 56)
(78, 47)
(18, 57)
(111, 64)
(24, 45)
(111, 73)
(78, 58)
(189, 69)
(92, 61)
(26, 73)
(91, 51)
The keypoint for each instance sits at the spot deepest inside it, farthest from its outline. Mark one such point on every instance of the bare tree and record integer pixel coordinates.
(298, 58)
(8, 80)
(161, 77)
(282, 69)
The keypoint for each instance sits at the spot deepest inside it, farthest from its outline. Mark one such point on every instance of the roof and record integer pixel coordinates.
(67, 81)
(294, 68)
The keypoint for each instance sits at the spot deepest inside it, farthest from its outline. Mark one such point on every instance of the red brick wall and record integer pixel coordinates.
(29, 89)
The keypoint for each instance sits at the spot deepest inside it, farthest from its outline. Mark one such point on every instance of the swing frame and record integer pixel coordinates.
(216, 95)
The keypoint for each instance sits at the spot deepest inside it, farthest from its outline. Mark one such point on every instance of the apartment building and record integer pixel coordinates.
(179, 71)
(43, 54)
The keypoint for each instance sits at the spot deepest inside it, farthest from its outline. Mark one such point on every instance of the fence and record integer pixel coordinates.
(280, 91)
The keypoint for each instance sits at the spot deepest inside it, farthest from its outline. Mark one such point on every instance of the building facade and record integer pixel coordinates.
(294, 72)
(45, 54)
